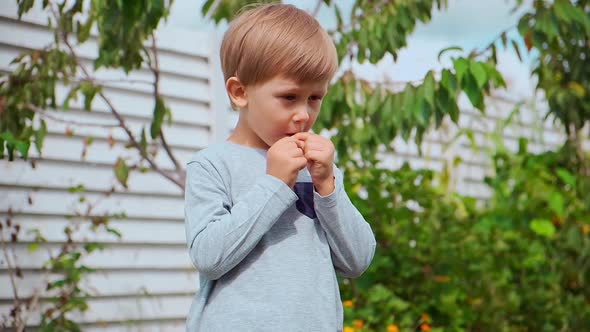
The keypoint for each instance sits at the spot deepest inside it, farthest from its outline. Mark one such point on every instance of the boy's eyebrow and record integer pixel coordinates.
(291, 87)
(298, 90)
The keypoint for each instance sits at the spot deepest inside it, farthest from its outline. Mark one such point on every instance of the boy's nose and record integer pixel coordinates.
(302, 115)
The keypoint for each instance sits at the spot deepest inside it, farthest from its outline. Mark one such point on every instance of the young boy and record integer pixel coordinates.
(268, 222)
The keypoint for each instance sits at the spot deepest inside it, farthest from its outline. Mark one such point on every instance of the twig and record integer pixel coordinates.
(46, 115)
(316, 10)
(32, 304)
(17, 317)
(355, 19)
(155, 67)
(122, 80)
(118, 116)
(212, 9)
(476, 53)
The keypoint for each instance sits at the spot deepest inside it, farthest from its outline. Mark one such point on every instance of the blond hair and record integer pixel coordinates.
(276, 39)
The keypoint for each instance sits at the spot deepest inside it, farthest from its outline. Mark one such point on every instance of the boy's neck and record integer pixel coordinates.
(244, 135)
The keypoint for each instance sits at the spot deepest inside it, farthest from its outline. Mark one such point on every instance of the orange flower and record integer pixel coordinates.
(348, 304)
(424, 327)
(348, 329)
(392, 328)
(425, 318)
(358, 324)
(442, 278)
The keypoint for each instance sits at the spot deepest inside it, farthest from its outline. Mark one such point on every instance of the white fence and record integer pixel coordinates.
(145, 281)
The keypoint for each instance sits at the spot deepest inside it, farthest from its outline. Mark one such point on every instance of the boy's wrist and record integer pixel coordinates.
(325, 187)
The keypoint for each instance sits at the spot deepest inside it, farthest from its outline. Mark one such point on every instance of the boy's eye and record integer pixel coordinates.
(315, 98)
(290, 97)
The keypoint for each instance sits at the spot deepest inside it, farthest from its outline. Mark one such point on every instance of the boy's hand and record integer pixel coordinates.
(285, 159)
(319, 152)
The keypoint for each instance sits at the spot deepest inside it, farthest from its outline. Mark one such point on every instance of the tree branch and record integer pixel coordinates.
(355, 19)
(120, 118)
(316, 10)
(155, 67)
(122, 80)
(17, 318)
(212, 10)
(46, 115)
(476, 53)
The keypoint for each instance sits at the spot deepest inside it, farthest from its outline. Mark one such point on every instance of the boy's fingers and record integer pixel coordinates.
(302, 135)
(301, 163)
(313, 155)
(300, 144)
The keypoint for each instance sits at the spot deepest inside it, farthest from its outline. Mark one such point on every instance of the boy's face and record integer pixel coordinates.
(281, 107)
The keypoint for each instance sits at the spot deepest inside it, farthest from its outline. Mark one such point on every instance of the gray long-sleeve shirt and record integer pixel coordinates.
(267, 255)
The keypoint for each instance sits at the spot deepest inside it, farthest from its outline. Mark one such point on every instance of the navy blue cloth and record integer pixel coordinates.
(304, 204)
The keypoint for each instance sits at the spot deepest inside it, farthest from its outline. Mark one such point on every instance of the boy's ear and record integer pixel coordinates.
(237, 92)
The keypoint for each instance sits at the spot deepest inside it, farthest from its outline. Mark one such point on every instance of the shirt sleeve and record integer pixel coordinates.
(219, 235)
(352, 242)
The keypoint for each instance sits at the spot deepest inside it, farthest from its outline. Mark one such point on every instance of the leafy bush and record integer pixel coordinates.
(518, 262)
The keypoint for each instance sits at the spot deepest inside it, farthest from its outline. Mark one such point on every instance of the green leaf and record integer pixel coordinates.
(159, 112)
(143, 142)
(494, 75)
(449, 81)
(83, 30)
(24, 6)
(494, 54)
(374, 101)
(473, 92)
(398, 304)
(34, 246)
(77, 189)
(516, 49)
(121, 171)
(566, 177)
(461, 66)
(577, 88)
(114, 232)
(89, 91)
(90, 247)
(23, 148)
(479, 72)
(338, 15)
(40, 136)
(2, 142)
(543, 227)
(451, 48)
(72, 95)
(557, 204)
(429, 88)
(563, 9)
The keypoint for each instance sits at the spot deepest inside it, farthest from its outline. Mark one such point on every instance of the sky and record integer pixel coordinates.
(465, 23)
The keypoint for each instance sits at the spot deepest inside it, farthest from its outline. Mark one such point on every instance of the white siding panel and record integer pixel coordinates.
(100, 152)
(153, 232)
(105, 310)
(167, 38)
(176, 135)
(175, 325)
(112, 283)
(60, 203)
(114, 256)
(48, 174)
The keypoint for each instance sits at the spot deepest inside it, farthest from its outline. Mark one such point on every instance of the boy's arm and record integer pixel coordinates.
(219, 235)
(350, 237)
